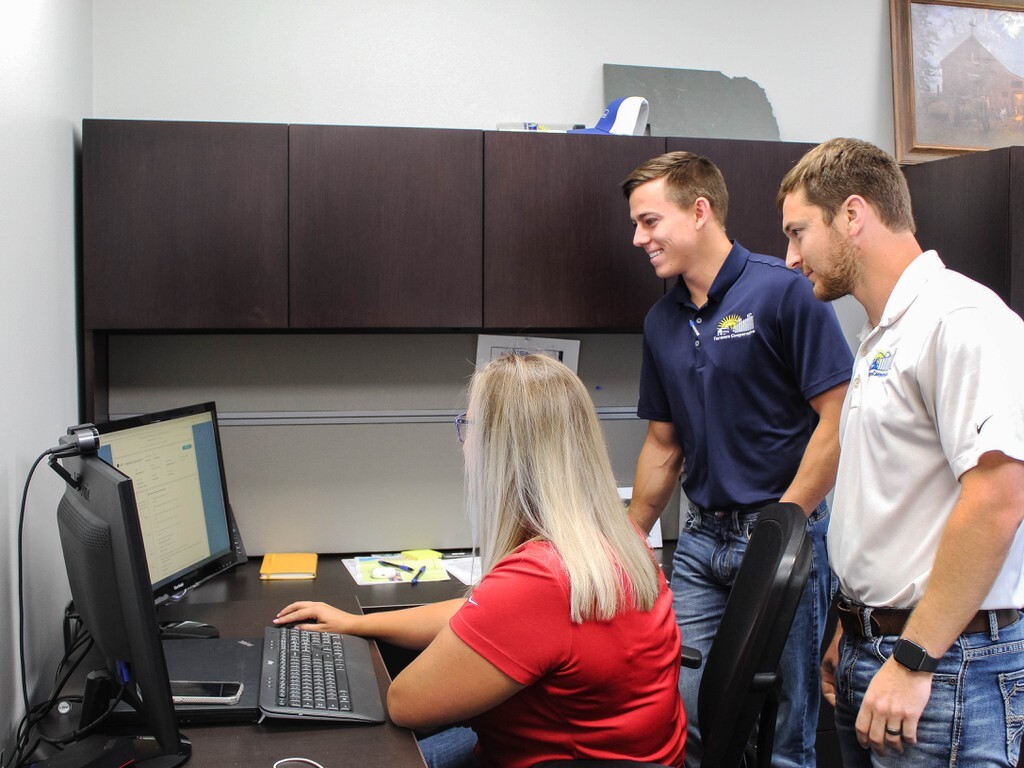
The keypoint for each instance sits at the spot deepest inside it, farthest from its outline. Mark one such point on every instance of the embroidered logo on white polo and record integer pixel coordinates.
(882, 363)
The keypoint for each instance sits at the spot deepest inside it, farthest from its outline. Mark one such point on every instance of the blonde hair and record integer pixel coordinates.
(537, 467)
(838, 168)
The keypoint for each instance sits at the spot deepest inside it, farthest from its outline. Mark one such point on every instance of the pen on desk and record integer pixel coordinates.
(693, 327)
(418, 574)
(399, 566)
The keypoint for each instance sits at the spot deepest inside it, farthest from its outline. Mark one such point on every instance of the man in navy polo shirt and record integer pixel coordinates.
(742, 383)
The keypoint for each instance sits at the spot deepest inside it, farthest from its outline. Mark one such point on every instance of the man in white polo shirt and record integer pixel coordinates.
(925, 537)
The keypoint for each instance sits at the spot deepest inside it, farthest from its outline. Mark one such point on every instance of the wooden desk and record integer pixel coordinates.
(240, 606)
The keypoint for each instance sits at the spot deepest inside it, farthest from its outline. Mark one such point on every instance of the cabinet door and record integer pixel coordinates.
(961, 208)
(385, 227)
(558, 243)
(185, 225)
(753, 171)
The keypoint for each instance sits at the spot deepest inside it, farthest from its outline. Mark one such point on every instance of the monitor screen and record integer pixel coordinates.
(109, 579)
(174, 460)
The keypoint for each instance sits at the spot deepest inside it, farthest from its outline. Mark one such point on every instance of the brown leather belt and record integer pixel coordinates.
(890, 621)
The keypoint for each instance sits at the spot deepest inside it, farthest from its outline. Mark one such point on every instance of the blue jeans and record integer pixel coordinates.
(707, 557)
(450, 748)
(974, 717)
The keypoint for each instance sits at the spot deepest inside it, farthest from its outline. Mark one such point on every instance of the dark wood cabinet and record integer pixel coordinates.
(753, 171)
(185, 225)
(558, 244)
(970, 209)
(227, 226)
(264, 227)
(385, 227)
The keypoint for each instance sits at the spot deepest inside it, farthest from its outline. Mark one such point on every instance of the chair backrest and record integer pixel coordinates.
(742, 663)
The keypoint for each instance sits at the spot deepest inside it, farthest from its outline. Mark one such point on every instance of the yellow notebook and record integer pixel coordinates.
(288, 565)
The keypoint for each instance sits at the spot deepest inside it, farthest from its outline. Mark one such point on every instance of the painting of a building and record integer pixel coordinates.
(979, 102)
(971, 72)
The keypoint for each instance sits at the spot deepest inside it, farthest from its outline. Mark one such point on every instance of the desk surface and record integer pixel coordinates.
(240, 605)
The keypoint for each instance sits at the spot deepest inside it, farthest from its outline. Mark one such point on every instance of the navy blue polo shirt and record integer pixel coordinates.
(735, 376)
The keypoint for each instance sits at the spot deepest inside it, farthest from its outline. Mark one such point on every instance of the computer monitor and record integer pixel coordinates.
(174, 460)
(109, 579)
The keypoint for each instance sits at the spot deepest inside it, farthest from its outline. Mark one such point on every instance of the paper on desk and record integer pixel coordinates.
(362, 569)
(465, 569)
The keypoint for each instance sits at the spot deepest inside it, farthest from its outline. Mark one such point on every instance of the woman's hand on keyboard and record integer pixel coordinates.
(319, 617)
(411, 628)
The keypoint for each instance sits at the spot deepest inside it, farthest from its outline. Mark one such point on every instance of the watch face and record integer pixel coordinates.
(913, 656)
(908, 654)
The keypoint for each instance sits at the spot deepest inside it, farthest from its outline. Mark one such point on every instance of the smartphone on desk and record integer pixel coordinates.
(205, 692)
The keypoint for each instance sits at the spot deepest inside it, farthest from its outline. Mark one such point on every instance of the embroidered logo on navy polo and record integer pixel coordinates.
(881, 363)
(734, 327)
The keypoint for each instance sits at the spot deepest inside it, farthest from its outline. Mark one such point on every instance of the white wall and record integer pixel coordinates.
(824, 64)
(453, 64)
(45, 88)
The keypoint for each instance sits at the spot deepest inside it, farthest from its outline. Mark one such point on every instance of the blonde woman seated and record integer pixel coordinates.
(568, 647)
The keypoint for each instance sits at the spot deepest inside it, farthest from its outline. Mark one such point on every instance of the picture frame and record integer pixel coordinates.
(958, 76)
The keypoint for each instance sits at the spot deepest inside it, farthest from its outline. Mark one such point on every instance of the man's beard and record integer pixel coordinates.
(844, 270)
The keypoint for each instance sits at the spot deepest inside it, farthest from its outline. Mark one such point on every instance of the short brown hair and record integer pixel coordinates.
(687, 177)
(838, 168)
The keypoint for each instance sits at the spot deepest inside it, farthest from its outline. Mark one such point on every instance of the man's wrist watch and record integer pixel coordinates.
(913, 656)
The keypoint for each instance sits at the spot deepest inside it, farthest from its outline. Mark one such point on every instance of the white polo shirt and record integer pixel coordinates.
(938, 383)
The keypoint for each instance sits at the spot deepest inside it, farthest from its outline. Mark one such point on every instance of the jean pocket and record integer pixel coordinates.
(881, 648)
(845, 673)
(1011, 685)
(820, 513)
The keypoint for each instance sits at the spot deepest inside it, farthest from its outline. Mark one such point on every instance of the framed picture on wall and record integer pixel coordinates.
(958, 76)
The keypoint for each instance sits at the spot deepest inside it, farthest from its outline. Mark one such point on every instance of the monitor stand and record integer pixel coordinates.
(149, 755)
(103, 751)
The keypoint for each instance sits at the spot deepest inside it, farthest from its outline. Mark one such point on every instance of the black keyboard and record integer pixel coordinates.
(311, 670)
(318, 675)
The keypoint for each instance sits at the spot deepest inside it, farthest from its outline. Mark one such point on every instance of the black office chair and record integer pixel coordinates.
(739, 689)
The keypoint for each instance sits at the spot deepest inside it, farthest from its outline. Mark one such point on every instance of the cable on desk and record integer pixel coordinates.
(302, 760)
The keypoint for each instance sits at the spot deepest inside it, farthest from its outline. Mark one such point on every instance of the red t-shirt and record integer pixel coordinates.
(596, 690)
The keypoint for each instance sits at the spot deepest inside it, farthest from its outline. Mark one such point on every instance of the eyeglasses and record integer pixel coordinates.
(461, 425)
